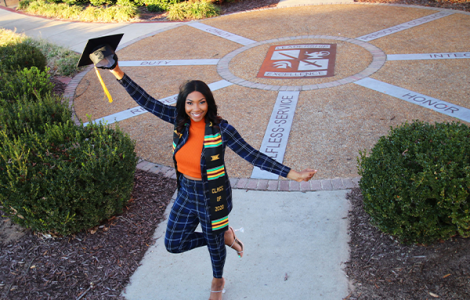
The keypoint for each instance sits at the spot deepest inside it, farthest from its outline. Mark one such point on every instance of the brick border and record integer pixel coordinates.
(69, 93)
(263, 184)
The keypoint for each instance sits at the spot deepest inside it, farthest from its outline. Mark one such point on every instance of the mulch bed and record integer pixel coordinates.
(382, 268)
(95, 264)
(59, 86)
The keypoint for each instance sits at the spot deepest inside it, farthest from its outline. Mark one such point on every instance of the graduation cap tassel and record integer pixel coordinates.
(103, 85)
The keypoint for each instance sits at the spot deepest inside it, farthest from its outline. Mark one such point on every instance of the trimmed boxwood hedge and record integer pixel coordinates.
(27, 83)
(18, 56)
(55, 177)
(67, 179)
(416, 182)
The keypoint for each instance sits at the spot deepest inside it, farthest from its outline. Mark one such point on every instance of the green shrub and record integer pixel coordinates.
(60, 60)
(160, 5)
(193, 10)
(416, 182)
(98, 3)
(19, 56)
(76, 2)
(18, 116)
(8, 37)
(130, 2)
(54, 10)
(68, 179)
(24, 4)
(136, 2)
(76, 12)
(29, 83)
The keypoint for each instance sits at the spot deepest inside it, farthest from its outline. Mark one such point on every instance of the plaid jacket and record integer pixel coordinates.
(230, 136)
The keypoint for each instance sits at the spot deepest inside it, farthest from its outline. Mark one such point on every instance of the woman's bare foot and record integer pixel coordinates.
(217, 288)
(232, 241)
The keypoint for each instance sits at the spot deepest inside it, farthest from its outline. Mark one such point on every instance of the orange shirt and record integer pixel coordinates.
(188, 158)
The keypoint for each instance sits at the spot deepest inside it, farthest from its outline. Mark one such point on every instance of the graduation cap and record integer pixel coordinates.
(100, 52)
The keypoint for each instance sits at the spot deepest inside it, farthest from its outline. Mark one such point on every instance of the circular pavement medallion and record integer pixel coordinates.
(224, 70)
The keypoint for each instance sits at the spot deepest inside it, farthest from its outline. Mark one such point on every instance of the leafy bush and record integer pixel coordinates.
(54, 10)
(19, 56)
(129, 2)
(76, 2)
(28, 83)
(8, 37)
(160, 5)
(123, 13)
(55, 176)
(19, 116)
(100, 2)
(416, 182)
(68, 179)
(60, 60)
(24, 4)
(193, 10)
(76, 12)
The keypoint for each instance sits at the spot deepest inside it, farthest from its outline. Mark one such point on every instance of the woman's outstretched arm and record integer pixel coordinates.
(261, 160)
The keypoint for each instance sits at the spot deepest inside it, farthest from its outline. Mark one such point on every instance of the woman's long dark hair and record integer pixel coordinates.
(186, 89)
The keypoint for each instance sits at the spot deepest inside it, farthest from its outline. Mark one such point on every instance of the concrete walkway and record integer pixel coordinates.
(74, 35)
(295, 247)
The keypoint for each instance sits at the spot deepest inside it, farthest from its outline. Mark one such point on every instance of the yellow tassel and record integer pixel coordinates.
(104, 86)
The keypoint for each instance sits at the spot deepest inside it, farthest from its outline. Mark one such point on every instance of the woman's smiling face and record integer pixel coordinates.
(196, 106)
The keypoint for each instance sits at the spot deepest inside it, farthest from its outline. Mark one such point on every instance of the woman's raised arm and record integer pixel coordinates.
(165, 112)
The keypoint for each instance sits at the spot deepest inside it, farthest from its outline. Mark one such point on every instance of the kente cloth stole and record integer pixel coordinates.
(213, 152)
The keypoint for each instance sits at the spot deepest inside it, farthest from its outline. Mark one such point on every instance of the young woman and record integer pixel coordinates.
(204, 193)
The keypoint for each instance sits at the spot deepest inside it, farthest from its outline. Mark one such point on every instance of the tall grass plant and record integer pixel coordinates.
(112, 13)
(193, 11)
(61, 61)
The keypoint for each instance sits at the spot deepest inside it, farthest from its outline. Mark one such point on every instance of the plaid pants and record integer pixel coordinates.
(190, 209)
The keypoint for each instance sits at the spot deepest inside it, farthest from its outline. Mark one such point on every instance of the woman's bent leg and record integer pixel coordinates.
(182, 222)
